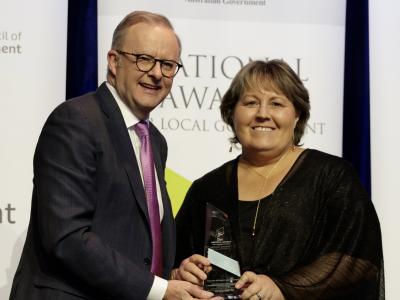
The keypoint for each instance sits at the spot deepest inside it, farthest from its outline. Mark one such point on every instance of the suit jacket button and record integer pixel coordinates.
(147, 261)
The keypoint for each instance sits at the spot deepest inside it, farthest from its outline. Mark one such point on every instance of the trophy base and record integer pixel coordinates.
(223, 288)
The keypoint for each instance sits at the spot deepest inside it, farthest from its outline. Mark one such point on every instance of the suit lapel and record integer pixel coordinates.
(155, 144)
(122, 144)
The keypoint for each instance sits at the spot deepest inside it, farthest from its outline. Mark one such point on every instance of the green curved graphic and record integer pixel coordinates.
(177, 187)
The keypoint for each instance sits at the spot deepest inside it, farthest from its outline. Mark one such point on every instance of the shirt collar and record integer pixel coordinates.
(129, 117)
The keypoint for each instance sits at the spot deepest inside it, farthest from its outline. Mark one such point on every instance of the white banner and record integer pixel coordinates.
(32, 76)
(218, 38)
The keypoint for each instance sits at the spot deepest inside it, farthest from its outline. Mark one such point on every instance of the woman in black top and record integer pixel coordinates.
(304, 226)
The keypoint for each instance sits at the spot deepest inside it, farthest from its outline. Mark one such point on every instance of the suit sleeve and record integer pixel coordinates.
(65, 167)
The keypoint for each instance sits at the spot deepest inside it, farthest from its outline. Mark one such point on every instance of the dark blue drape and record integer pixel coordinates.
(81, 47)
(356, 113)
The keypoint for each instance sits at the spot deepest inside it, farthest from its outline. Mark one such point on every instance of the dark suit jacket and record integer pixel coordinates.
(89, 232)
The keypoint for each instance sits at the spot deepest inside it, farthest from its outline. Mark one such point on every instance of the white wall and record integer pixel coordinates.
(385, 131)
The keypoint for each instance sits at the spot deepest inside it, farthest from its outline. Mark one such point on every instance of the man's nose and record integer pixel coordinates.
(156, 71)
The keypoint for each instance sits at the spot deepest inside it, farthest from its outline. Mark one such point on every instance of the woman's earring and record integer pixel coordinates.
(294, 132)
(230, 148)
(293, 144)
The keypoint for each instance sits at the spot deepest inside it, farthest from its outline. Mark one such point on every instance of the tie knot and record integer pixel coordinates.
(142, 129)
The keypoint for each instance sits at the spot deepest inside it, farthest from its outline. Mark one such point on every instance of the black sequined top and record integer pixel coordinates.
(318, 235)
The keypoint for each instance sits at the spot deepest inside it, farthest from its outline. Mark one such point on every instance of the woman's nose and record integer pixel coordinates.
(263, 110)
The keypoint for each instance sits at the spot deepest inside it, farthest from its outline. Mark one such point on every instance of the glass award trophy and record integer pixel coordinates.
(220, 249)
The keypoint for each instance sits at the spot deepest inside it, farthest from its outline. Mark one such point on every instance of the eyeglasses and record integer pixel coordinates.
(145, 63)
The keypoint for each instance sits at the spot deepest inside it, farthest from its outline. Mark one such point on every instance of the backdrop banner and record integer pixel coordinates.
(32, 76)
(218, 38)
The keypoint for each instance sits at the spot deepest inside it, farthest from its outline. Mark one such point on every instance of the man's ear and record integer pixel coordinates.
(113, 61)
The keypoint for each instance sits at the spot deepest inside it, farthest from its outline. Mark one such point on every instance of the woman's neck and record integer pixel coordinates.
(263, 158)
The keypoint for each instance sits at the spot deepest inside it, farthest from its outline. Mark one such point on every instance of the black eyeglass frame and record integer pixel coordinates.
(155, 60)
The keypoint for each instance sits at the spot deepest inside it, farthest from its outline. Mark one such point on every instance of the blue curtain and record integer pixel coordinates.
(356, 112)
(81, 47)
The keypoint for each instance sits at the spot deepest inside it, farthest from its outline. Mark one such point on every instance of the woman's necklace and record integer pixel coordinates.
(266, 178)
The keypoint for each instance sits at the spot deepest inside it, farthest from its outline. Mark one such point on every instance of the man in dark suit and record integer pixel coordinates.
(90, 235)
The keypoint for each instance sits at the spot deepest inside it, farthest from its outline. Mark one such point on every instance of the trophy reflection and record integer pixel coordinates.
(220, 249)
